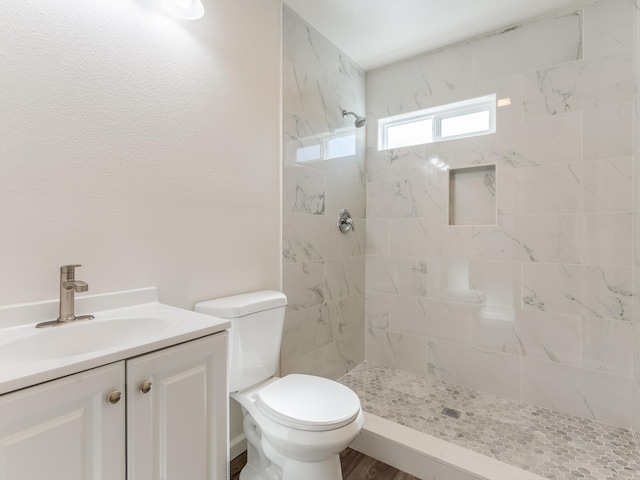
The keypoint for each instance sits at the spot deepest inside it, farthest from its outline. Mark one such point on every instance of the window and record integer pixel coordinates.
(326, 147)
(456, 120)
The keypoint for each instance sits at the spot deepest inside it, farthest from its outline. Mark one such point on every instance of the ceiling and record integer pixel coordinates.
(374, 33)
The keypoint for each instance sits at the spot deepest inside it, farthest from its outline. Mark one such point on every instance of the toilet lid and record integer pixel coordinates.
(307, 402)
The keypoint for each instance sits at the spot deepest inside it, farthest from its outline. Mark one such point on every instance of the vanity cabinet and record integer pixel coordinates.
(178, 428)
(170, 421)
(65, 429)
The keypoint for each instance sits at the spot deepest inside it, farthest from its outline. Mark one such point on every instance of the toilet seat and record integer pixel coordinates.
(310, 403)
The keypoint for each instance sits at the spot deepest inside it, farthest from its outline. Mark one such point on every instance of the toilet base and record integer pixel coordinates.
(264, 462)
(328, 469)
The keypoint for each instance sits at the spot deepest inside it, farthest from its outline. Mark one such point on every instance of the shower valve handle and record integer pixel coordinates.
(345, 222)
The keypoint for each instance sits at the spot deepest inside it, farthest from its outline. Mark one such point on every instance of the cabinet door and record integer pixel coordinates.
(178, 429)
(65, 429)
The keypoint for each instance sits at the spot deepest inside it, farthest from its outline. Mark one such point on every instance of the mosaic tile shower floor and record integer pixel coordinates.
(548, 443)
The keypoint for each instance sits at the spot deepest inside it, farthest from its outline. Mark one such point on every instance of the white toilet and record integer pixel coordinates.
(296, 426)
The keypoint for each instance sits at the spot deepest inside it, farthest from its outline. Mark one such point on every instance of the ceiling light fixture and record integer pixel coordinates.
(186, 9)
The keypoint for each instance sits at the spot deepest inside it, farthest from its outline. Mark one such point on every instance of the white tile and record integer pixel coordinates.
(550, 238)
(307, 237)
(545, 336)
(377, 310)
(562, 187)
(349, 316)
(636, 233)
(484, 370)
(607, 345)
(635, 410)
(318, 81)
(428, 318)
(418, 197)
(636, 359)
(552, 288)
(397, 163)
(527, 47)
(499, 281)
(394, 350)
(402, 276)
(304, 190)
(350, 244)
(508, 189)
(342, 193)
(576, 391)
(607, 292)
(378, 237)
(351, 350)
(305, 331)
(530, 238)
(449, 279)
(537, 141)
(303, 284)
(324, 362)
(607, 239)
(608, 185)
(344, 277)
(593, 82)
(608, 26)
(423, 76)
(428, 237)
(608, 132)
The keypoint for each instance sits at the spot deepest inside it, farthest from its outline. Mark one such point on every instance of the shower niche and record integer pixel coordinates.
(472, 195)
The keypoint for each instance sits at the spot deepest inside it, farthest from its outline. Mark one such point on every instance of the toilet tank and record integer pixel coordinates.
(255, 336)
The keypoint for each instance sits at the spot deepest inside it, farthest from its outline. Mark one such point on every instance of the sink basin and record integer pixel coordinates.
(126, 324)
(85, 337)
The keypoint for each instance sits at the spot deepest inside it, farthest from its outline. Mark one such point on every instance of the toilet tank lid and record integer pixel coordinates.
(243, 304)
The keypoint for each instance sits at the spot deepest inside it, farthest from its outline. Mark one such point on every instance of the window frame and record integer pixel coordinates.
(437, 114)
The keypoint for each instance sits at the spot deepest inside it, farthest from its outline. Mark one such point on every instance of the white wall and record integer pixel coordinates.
(142, 146)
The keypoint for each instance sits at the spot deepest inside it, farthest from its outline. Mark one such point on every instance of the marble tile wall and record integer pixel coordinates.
(323, 164)
(636, 216)
(540, 306)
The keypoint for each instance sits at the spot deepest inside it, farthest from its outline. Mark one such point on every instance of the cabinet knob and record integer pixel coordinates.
(114, 397)
(145, 387)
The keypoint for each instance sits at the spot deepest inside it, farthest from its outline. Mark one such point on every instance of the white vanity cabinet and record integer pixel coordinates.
(174, 427)
(177, 412)
(65, 429)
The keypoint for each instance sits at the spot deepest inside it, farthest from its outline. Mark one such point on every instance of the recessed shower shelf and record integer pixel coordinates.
(472, 195)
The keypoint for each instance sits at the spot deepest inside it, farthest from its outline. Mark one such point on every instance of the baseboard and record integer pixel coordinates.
(237, 446)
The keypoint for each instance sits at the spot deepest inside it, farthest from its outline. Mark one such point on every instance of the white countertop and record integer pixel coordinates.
(158, 326)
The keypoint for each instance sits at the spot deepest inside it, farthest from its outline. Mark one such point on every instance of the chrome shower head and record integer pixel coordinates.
(360, 121)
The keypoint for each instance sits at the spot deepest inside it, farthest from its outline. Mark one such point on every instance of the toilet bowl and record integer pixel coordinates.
(297, 425)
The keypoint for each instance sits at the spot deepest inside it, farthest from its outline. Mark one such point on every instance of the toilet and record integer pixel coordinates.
(297, 425)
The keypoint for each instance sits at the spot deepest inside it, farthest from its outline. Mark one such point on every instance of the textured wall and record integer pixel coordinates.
(323, 271)
(556, 328)
(142, 146)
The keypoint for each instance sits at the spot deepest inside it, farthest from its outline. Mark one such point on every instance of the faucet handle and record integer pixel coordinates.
(68, 268)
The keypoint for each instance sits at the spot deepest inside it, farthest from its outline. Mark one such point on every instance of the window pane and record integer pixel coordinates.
(464, 124)
(412, 133)
(308, 154)
(341, 147)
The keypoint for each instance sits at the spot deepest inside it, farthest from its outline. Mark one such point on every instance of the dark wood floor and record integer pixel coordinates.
(355, 466)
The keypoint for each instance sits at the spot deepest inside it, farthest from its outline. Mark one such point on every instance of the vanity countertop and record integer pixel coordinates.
(126, 324)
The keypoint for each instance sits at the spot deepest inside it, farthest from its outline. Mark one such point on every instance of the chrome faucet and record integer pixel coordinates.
(68, 288)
